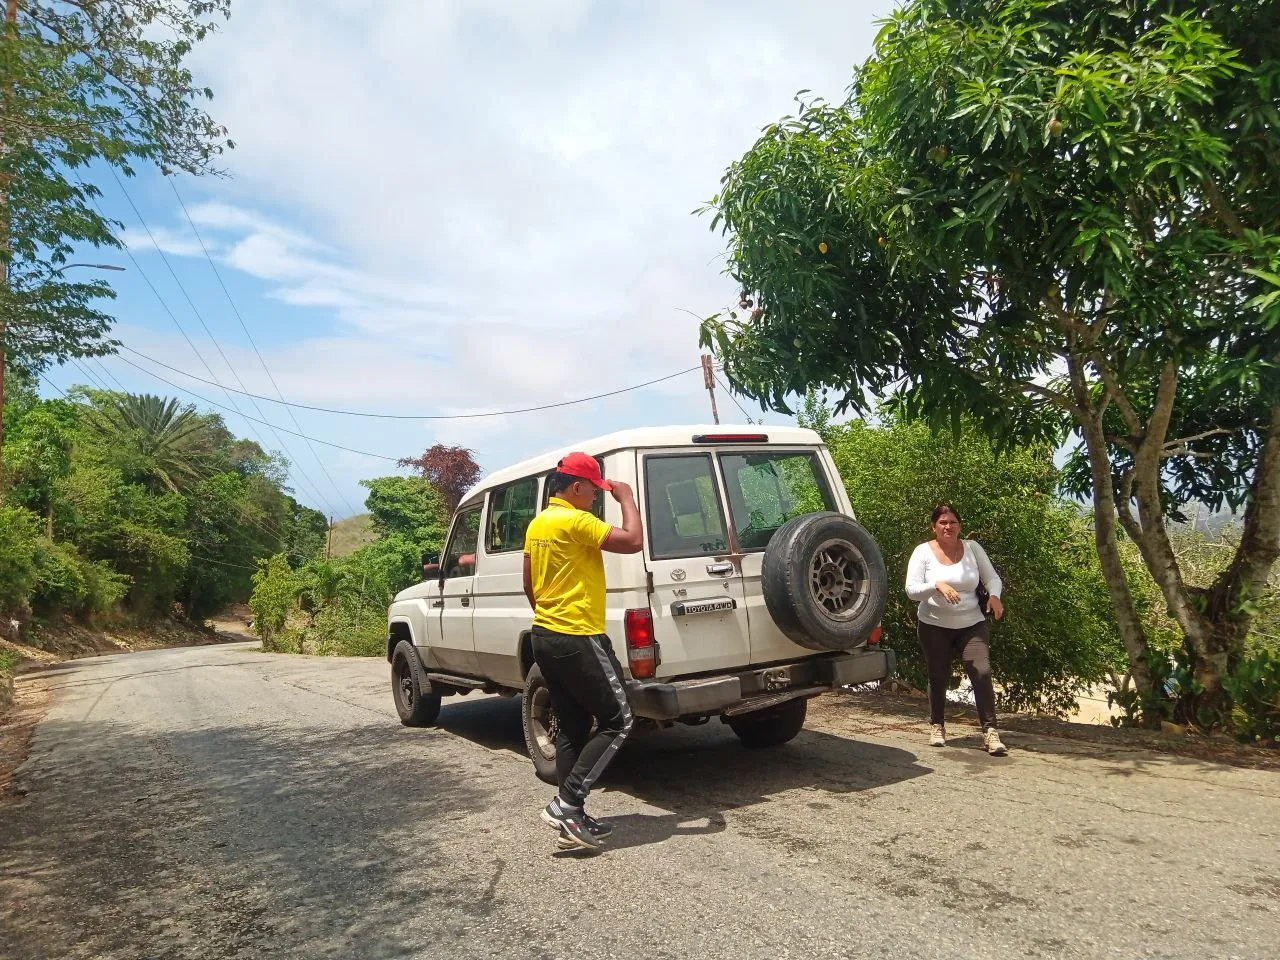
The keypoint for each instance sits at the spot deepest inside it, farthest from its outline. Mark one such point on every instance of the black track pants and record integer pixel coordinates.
(585, 681)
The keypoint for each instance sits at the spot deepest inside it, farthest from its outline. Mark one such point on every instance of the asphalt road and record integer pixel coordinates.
(219, 802)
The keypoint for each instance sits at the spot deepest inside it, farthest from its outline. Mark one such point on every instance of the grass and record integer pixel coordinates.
(351, 534)
(8, 660)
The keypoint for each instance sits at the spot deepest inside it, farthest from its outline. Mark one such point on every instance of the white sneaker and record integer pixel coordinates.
(937, 735)
(991, 739)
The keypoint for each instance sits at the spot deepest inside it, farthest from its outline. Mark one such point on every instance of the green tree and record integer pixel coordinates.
(275, 591)
(1052, 216)
(18, 544)
(409, 507)
(85, 83)
(1059, 633)
(157, 440)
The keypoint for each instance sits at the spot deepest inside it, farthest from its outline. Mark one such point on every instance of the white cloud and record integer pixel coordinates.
(176, 242)
(491, 201)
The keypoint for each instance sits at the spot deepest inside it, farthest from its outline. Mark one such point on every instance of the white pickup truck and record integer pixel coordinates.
(756, 589)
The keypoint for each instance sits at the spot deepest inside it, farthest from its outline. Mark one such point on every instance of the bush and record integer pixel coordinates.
(275, 593)
(348, 630)
(20, 542)
(1254, 688)
(1058, 635)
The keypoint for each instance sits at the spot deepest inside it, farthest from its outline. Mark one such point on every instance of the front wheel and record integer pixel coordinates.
(541, 726)
(773, 726)
(416, 704)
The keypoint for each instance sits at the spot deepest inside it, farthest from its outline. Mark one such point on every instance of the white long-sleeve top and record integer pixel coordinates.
(925, 572)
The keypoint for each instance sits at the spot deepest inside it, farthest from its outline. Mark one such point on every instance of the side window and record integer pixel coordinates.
(460, 558)
(768, 489)
(683, 506)
(511, 508)
(597, 506)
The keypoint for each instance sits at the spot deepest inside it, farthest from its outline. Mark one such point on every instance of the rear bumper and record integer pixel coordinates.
(658, 700)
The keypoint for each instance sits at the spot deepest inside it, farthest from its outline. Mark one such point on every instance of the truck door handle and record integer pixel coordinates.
(466, 601)
(437, 603)
(720, 569)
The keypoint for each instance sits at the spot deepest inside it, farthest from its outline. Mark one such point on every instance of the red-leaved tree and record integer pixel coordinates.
(451, 470)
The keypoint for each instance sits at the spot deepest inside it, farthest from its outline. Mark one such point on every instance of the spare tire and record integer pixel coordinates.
(824, 581)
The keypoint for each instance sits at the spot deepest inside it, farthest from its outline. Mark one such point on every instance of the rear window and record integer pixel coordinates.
(768, 489)
(684, 516)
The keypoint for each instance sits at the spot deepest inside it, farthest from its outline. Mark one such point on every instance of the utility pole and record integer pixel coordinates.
(328, 545)
(709, 378)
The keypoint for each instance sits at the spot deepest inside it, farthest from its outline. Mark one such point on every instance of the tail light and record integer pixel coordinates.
(876, 633)
(642, 650)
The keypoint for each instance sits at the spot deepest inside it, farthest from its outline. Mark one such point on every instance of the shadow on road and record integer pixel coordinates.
(699, 773)
(231, 840)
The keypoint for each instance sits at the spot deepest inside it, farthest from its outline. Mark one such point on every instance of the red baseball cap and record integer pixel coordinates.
(585, 467)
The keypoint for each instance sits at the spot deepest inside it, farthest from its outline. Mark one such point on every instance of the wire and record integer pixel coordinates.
(221, 563)
(215, 382)
(336, 446)
(732, 397)
(420, 416)
(245, 327)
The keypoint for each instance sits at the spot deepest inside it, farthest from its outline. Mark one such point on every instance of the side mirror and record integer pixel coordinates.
(430, 571)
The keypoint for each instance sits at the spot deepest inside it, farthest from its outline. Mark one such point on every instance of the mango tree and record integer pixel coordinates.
(1059, 218)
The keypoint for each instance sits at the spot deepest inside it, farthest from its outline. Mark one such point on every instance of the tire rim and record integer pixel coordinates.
(543, 722)
(837, 579)
(404, 684)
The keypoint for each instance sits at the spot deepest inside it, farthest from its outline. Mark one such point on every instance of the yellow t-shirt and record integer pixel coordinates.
(563, 544)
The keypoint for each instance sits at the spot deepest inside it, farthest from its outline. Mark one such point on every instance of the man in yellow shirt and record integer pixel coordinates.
(564, 581)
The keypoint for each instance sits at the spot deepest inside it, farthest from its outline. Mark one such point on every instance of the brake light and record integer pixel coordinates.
(731, 438)
(642, 650)
(876, 633)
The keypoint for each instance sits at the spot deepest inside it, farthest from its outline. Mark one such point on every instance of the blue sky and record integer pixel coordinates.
(451, 207)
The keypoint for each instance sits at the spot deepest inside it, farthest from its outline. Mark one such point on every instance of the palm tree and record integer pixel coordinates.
(170, 443)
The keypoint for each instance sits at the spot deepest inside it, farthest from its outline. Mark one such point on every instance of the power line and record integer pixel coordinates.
(420, 416)
(336, 446)
(732, 397)
(261, 527)
(165, 306)
(245, 327)
(201, 319)
(221, 563)
(217, 346)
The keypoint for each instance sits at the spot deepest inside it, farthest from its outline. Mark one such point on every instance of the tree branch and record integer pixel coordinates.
(1112, 387)
(1124, 509)
(1222, 209)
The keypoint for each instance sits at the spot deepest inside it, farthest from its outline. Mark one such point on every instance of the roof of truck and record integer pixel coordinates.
(640, 438)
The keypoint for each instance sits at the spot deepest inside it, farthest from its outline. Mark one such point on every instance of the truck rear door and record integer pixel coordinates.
(765, 488)
(698, 604)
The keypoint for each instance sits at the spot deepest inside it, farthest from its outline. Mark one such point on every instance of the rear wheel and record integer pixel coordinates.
(416, 703)
(823, 579)
(541, 726)
(771, 727)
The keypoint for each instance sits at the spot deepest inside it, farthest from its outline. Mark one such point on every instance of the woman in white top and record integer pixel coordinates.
(943, 575)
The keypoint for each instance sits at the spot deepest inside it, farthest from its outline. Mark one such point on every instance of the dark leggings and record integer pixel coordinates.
(973, 644)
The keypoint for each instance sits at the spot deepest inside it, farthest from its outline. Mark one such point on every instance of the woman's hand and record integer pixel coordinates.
(949, 593)
(996, 607)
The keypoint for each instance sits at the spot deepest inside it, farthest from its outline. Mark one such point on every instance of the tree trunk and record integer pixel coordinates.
(10, 31)
(1227, 609)
(1132, 634)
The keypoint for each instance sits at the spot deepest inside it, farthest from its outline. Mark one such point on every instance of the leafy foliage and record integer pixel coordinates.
(1058, 634)
(141, 503)
(1049, 217)
(339, 605)
(450, 470)
(85, 84)
(157, 440)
